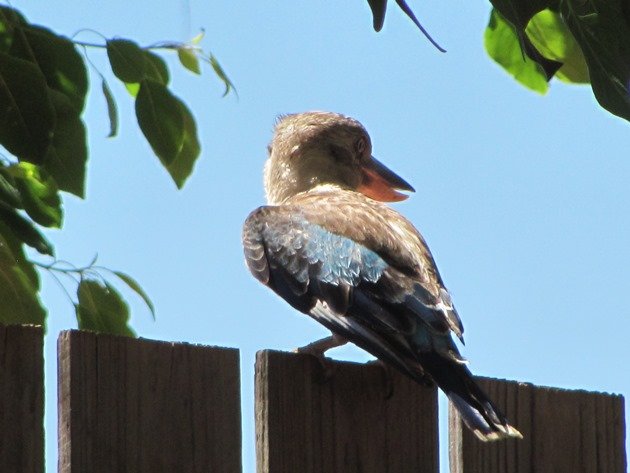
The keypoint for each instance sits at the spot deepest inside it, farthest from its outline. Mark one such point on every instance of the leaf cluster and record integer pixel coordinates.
(576, 41)
(43, 90)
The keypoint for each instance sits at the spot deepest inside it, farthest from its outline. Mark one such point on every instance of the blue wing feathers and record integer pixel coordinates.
(387, 310)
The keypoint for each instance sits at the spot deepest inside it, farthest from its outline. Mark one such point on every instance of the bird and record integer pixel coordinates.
(329, 245)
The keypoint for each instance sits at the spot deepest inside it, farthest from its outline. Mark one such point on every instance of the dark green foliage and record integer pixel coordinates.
(66, 158)
(27, 115)
(379, 7)
(577, 42)
(127, 60)
(58, 60)
(160, 119)
(602, 29)
(102, 309)
(169, 127)
(43, 83)
(19, 283)
(38, 194)
(43, 88)
(23, 230)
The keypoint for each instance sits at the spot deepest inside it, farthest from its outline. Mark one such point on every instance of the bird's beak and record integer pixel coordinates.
(380, 183)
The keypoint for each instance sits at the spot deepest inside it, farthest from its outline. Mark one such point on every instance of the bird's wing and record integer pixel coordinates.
(362, 289)
(375, 285)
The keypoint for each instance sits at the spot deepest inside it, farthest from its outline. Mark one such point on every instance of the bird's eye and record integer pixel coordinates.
(360, 146)
(269, 149)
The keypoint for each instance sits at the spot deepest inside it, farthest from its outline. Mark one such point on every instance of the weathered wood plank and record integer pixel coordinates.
(22, 399)
(564, 431)
(141, 406)
(359, 418)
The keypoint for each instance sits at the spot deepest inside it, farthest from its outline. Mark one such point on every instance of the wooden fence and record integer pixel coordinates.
(141, 406)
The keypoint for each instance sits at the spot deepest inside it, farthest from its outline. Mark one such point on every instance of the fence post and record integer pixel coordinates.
(22, 399)
(353, 418)
(564, 432)
(128, 405)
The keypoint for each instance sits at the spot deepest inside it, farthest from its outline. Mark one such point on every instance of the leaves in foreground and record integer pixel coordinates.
(134, 286)
(19, 284)
(502, 44)
(578, 42)
(165, 121)
(43, 84)
(100, 308)
(43, 90)
(169, 128)
(379, 8)
(43, 87)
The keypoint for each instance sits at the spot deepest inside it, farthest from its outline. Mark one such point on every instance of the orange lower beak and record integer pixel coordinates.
(380, 183)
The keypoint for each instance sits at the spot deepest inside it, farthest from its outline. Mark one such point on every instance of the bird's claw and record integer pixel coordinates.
(327, 366)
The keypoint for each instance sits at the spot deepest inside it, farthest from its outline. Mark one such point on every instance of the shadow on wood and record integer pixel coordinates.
(128, 405)
(21, 399)
(564, 432)
(361, 418)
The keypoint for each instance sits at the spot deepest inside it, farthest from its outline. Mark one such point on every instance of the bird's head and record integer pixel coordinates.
(315, 148)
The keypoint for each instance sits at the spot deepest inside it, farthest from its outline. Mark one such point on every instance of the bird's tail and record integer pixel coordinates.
(474, 406)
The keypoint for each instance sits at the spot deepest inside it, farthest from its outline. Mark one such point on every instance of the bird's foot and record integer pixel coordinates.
(318, 349)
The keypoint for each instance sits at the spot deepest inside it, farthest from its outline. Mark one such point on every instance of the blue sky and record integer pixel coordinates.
(523, 199)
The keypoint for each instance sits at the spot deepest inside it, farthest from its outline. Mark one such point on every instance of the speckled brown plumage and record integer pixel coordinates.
(356, 265)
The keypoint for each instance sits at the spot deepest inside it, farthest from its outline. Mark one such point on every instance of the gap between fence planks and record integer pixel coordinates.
(564, 432)
(358, 418)
(143, 406)
(21, 399)
(128, 405)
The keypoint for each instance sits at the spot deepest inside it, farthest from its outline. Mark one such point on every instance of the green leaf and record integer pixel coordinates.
(518, 13)
(102, 309)
(161, 120)
(127, 60)
(132, 64)
(198, 37)
(9, 20)
(24, 230)
(551, 36)
(188, 57)
(39, 194)
(502, 44)
(57, 58)
(133, 285)
(182, 166)
(27, 116)
(133, 88)
(602, 29)
(378, 7)
(8, 192)
(17, 249)
(112, 109)
(67, 154)
(218, 70)
(155, 68)
(19, 284)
